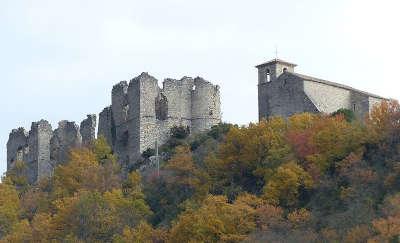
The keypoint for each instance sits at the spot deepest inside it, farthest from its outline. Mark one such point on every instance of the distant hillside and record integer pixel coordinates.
(311, 178)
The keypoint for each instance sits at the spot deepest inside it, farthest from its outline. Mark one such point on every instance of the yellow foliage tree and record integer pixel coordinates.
(143, 233)
(215, 221)
(185, 175)
(284, 185)
(250, 154)
(9, 207)
(21, 232)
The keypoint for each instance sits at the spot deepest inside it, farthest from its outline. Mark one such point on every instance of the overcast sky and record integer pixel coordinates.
(59, 59)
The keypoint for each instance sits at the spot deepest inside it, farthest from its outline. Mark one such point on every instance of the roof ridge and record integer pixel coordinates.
(339, 85)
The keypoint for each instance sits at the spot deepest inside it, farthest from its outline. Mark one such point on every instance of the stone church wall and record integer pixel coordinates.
(327, 98)
(283, 97)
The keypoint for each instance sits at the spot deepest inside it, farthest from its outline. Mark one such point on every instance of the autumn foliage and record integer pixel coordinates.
(308, 178)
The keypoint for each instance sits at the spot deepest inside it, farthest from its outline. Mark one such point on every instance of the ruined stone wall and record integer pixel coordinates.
(16, 146)
(120, 109)
(140, 113)
(206, 105)
(106, 126)
(134, 118)
(42, 148)
(88, 129)
(65, 137)
(42, 133)
(37, 158)
(142, 94)
(178, 93)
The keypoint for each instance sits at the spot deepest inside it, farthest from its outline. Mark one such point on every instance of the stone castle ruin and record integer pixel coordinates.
(140, 114)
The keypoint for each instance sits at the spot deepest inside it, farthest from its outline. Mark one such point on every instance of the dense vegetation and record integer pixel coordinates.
(311, 178)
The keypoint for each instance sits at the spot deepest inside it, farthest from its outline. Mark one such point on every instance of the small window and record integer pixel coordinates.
(284, 70)
(267, 75)
(354, 107)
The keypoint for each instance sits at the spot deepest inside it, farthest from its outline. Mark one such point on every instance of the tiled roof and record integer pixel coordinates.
(276, 60)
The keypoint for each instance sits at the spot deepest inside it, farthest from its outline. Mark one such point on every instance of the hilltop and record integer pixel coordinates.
(308, 178)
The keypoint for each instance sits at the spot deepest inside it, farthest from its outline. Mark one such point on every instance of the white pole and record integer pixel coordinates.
(157, 159)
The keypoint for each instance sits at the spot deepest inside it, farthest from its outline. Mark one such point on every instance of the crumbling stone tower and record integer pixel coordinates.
(33, 148)
(42, 148)
(142, 113)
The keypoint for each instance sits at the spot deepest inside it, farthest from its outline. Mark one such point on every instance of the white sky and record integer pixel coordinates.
(59, 59)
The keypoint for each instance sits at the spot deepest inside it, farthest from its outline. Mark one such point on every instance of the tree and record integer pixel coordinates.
(383, 122)
(215, 221)
(346, 113)
(142, 233)
(184, 176)
(248, 155)
(9, 207)
(130, 209)
(18, 176)
(21, 232)
(285, 184)
(321, 141)
(84, 171)
(86, 216)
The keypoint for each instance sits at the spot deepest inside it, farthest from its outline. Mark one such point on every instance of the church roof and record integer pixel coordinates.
(317, 80)
(276, 60)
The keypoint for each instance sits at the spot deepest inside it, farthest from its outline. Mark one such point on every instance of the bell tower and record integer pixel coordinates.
(271, 70)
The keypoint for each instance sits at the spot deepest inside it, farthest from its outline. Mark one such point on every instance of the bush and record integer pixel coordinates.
(148, 153)
(180, 132)
(218, 130)
(348, 114)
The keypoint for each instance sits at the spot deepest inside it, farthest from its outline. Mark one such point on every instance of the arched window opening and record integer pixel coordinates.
(354, 107)
(284, 70)
(267, 75)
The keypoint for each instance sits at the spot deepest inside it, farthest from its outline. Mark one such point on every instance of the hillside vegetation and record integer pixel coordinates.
(311, 178)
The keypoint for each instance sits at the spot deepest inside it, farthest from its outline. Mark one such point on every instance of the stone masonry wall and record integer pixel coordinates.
(88, 129)
(120, 109)
(106, 126)
(16, 146)
(65, 137)
(43, 133)
(140, 114)
(143, 113)
(206, 105)
(283, 97)
(327, 98)
(290, 94)
(42, 148)
(37, 158)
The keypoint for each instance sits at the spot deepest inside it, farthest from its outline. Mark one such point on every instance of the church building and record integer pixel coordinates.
(283, 92)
